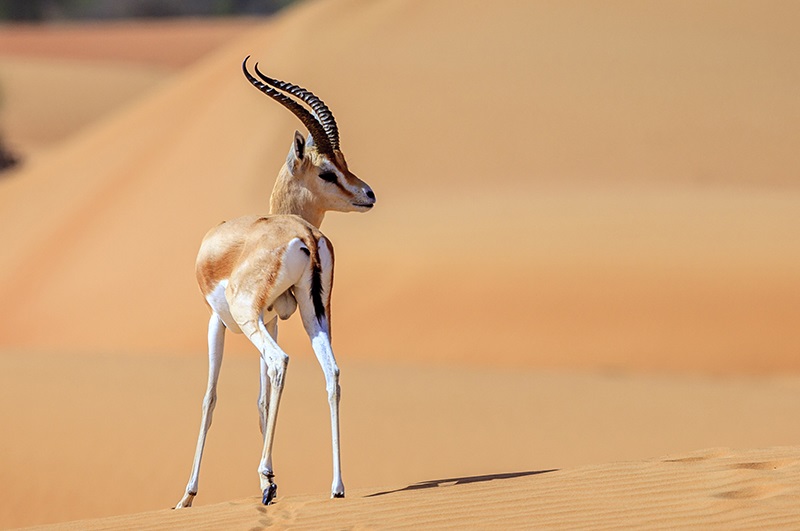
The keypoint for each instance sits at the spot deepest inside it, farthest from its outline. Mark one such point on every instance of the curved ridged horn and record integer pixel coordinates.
(323, 113)
(317, 130)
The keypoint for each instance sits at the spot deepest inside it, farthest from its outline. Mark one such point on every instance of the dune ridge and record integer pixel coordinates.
(718, 488)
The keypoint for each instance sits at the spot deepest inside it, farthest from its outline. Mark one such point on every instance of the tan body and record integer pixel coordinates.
(255, 270)
(258, 259)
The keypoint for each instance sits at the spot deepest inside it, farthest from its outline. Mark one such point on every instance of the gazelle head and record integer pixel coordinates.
(315, 178)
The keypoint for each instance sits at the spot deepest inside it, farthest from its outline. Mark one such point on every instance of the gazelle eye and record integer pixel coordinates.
(328, 176)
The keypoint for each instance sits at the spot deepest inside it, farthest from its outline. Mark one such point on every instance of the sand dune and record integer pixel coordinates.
(119, 436)
(45, 101)
(711, 489)
(586, 214)
(621, 157)
(169, 44)
(57, 78)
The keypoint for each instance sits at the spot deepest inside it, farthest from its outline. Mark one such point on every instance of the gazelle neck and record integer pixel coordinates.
(290, 197)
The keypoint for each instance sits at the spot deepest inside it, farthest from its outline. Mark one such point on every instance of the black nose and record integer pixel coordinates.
(370, 194)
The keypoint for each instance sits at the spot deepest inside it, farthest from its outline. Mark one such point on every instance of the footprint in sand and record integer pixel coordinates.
(750, 493)
(714, 454)
(774, 464)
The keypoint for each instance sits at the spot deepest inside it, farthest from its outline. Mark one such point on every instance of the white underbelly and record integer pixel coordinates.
(216, 299)
(283, 307)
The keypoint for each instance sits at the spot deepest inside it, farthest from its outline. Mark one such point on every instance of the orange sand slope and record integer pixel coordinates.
(58, 78)
(712, 489)
(98, 436)
(563, 185)
(45, 100)
(168, 44)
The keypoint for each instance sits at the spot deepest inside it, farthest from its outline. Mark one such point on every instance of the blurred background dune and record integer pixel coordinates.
(571, 186)
(657, 144)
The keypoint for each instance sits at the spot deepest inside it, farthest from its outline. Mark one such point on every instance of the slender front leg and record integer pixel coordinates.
(216, 341)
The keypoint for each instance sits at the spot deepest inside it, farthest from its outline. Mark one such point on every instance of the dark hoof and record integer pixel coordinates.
(338, 495)
(269, 494)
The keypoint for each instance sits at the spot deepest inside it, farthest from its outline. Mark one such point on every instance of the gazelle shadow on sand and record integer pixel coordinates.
(462, 481)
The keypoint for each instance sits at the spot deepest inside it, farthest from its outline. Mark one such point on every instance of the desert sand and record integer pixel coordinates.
(584, 258)
(402, 425)
(755, 489)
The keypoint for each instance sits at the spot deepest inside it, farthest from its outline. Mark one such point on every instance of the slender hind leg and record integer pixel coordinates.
(276, 362)
(216, 340)
(263, 396)
(264, 389)
(276, 277)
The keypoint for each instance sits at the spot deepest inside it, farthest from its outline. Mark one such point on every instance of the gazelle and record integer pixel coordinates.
(254, 270)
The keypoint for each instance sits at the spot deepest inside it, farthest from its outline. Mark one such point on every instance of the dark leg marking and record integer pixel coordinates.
(269, 494)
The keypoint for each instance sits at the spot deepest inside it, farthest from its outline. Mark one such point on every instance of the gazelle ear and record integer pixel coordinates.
(310, 141)
(299, 145)
(297, 152)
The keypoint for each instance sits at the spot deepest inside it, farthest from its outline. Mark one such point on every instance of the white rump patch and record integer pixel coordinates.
(294, 263)
(295, 260)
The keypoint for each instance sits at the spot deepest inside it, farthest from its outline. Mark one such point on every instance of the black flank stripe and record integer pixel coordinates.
(316, 279)
(316, 289)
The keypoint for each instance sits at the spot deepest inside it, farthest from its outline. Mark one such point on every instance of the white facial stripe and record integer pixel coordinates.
(331, 168)
(340, 181)
(351, 188)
